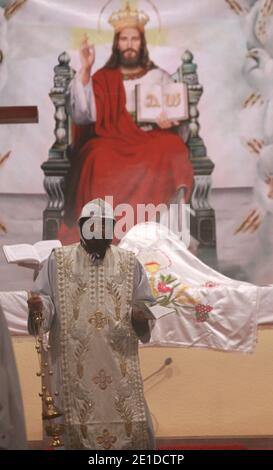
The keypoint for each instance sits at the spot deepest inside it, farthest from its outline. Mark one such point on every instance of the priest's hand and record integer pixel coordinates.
(35, 308)
(35, 303)
(87, 57)
(141, 325)
(164, 123)
(138, 315)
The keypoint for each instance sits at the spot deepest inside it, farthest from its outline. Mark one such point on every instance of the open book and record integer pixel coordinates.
(153, 311)
(170, 99)
(29, 255)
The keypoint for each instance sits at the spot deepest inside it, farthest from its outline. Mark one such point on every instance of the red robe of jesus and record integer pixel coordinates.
(121, 160)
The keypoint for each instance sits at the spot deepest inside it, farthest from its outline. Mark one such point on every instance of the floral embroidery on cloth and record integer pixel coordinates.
(169, 291)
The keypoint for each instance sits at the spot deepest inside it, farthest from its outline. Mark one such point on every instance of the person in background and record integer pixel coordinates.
(12, 421)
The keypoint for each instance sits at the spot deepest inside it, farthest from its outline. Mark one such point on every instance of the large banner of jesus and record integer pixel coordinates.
(114, 46)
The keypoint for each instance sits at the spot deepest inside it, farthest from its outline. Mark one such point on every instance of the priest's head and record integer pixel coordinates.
(96, 224)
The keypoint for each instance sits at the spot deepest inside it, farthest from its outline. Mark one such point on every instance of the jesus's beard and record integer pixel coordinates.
(130, 62)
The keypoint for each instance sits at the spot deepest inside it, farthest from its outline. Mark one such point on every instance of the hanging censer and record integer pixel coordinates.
(49, 410)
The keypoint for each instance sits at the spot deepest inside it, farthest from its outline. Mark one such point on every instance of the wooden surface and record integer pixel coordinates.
(18, 114)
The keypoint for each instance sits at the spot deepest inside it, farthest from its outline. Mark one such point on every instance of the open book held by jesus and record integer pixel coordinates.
(170, 99)
(30, 255)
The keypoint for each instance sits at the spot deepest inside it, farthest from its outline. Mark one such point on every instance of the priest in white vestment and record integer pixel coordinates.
(86, 292)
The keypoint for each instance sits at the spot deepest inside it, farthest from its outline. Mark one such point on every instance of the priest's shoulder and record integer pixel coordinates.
(122, 251)
(66, 249)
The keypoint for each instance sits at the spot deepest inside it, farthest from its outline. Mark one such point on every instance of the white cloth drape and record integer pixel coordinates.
(14, 306)
(212, 310)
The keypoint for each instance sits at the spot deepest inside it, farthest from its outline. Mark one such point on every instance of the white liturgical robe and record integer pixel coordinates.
(94, 340)
(12, 424)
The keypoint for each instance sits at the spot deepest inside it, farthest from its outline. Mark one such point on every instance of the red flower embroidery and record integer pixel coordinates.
(202, 312)
(210, 284)
(162, 287)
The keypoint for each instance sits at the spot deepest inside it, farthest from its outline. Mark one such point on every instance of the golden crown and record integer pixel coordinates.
(128, 17)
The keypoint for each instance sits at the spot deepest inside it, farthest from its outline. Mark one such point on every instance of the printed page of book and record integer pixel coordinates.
(175, 101)
(148, 102)
(153, 311)
(45, 247)
(22, 252)
(159, 311)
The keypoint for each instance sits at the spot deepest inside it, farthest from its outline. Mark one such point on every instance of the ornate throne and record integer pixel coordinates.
(56, 167)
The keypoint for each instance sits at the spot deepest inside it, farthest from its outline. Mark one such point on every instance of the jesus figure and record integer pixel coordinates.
(112, 155)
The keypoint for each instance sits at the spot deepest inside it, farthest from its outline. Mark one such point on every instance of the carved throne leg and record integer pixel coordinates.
(52, 214)
(203, 226)
(57, 165)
